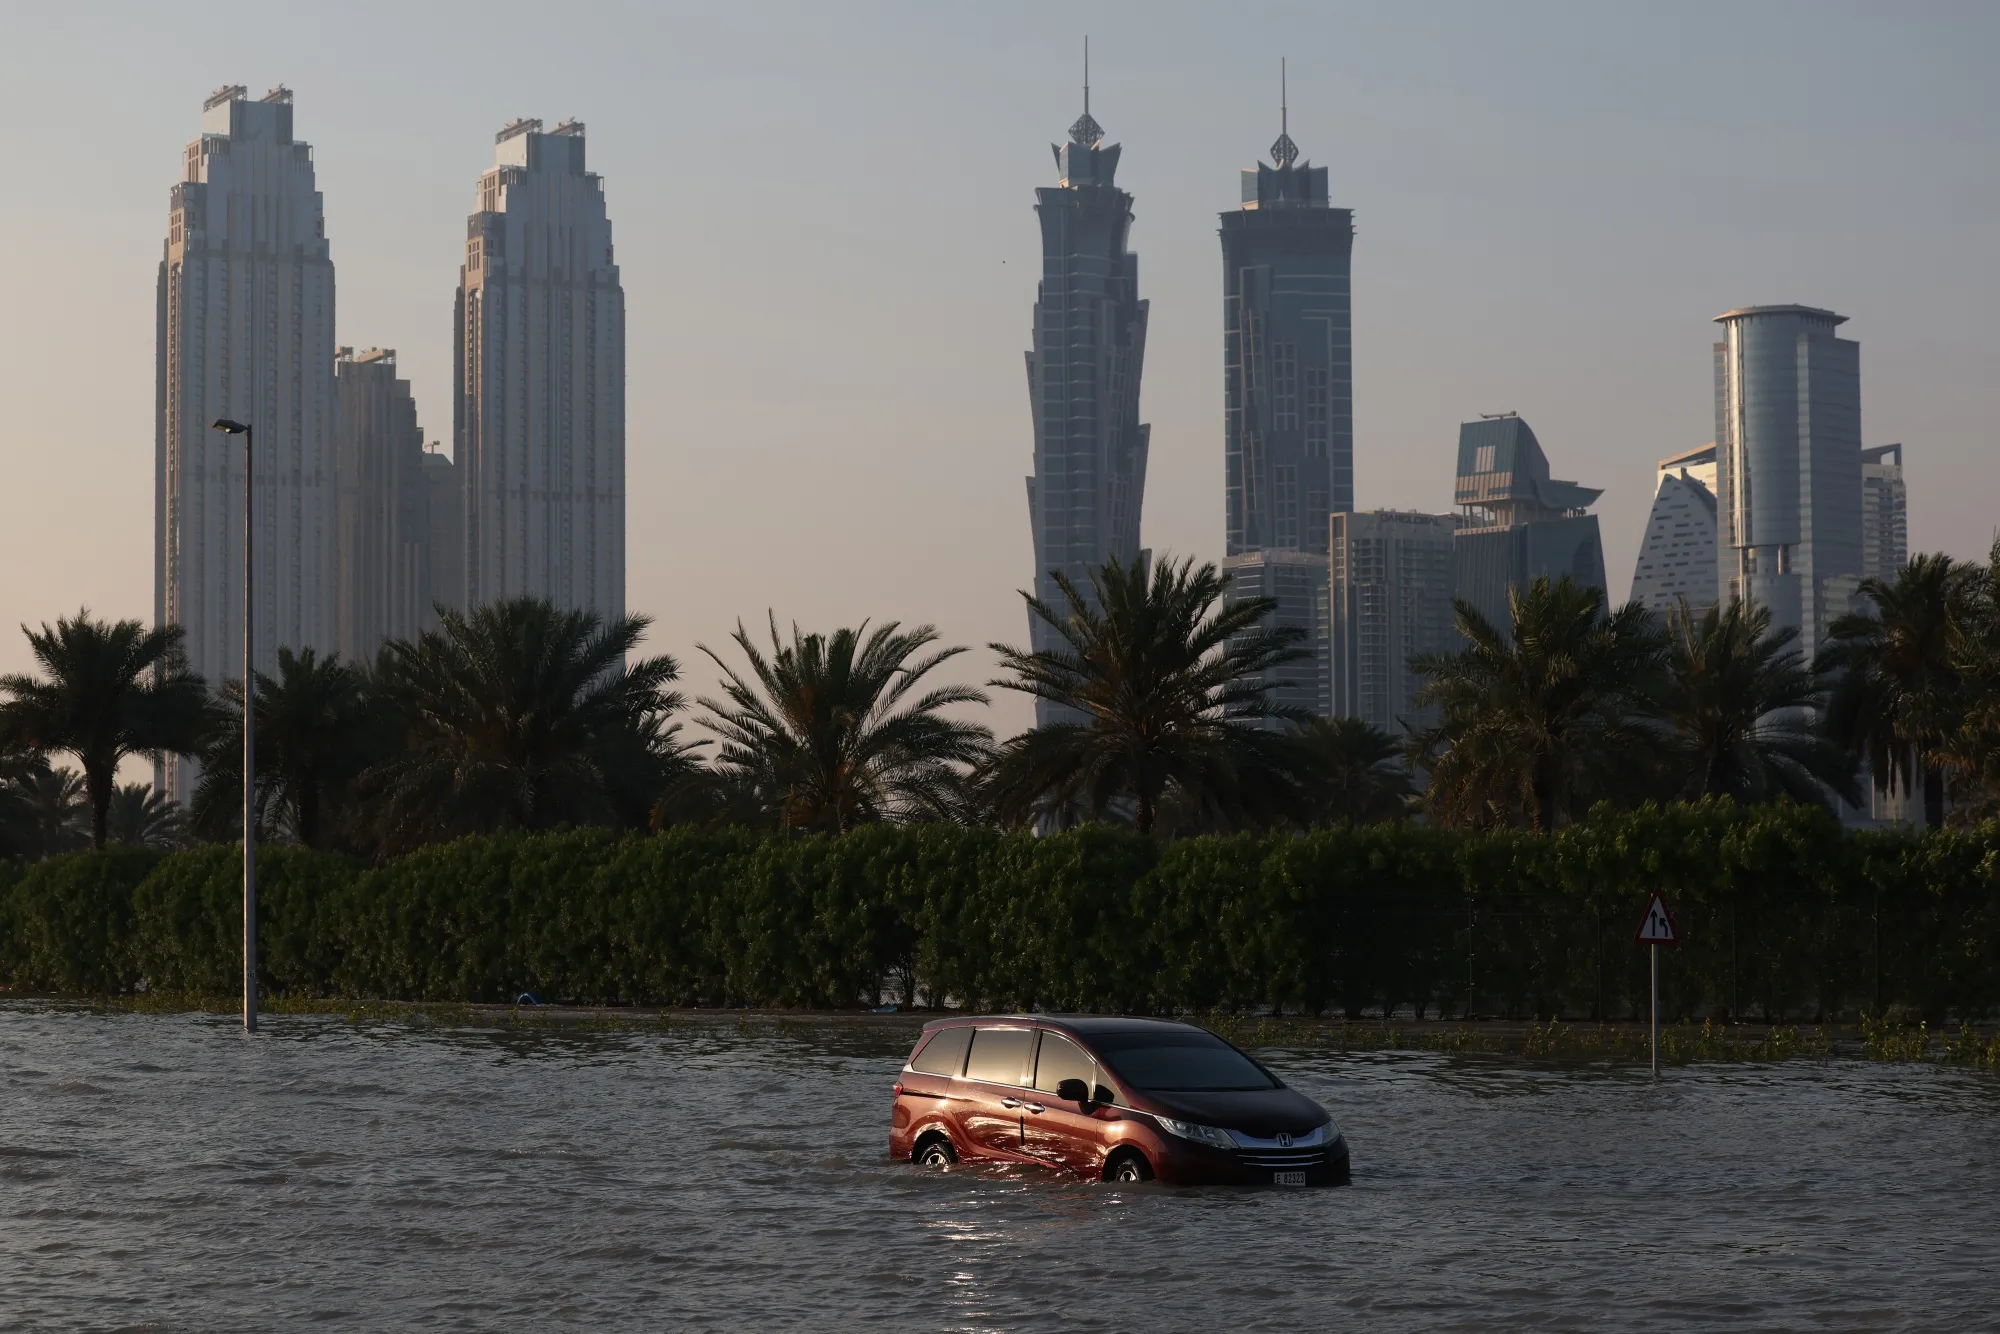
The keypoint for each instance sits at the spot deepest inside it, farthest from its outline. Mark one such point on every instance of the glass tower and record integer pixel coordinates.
(1083, 375)
(1288, 366)
(1788, 465)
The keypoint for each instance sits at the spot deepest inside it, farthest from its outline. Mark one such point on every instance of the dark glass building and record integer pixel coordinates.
(1083, 374)
(1519, 522)
(1288, 365)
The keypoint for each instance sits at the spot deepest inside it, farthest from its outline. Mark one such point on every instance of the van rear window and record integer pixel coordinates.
(944, 1054)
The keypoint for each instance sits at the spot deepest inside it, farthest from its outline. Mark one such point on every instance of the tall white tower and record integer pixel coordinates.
(245, 325)
(540, 413)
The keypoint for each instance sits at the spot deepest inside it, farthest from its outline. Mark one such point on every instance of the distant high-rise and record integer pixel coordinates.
(1288, 366)
(1788, 474)
(1390, 588)
(1677, 553)
(446, 510)
(245, 331)
(1297, 581)
(384, 588)
(1520, 523)
(1885, 520)
(1089, 348)
(539, 421)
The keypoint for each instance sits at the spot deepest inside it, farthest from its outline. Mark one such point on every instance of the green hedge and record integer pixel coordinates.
(1785, 916)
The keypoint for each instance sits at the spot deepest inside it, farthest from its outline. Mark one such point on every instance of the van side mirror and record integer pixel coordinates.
(1073, 1090)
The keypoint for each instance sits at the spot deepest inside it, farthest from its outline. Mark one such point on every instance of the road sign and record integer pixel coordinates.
(1658, 927)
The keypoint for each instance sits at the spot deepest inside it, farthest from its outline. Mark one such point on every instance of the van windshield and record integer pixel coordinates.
(1180, 1062)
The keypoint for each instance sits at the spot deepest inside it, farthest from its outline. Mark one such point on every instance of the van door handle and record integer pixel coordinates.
(1036, 1107)
(1010, 1102)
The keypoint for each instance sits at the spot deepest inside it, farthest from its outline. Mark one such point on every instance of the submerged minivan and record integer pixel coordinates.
(1108, 1099)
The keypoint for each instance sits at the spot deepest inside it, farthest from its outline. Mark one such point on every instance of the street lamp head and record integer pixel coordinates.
(227, 426)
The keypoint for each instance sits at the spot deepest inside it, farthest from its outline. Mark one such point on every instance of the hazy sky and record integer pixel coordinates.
(823, 214)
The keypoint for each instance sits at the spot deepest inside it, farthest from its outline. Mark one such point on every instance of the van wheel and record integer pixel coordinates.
(1131, 1165)
(935, 1152)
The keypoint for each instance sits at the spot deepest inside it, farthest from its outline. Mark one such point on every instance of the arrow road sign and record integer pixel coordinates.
(1658, 928)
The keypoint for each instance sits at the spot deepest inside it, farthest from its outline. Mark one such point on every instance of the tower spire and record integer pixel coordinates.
(1086, 132)
(1284, 152)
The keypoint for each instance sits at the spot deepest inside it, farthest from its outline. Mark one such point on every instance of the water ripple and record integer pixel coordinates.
(165, 1174)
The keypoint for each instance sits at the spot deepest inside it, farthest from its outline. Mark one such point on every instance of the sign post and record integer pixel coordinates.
(1655, 930)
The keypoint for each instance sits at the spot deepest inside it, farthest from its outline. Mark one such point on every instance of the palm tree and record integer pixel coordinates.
(521, 716)
(42, 811)
(1899, 691)
(1160, 695)
(110, 690)
(142, 816)
(1351, 772)
(1970, 757)
(1740, 704)
(1539, 720)
(827, 732)
(314, 735)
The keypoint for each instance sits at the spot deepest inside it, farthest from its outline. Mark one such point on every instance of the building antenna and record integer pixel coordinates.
(1284, 152)
(1086, 74)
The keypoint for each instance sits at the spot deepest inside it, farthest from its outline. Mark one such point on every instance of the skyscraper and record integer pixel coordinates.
(1520, 523)
(1788, 474)
(1089, 348)
(1296, 580)
(245, 331)
(1391, 584)
(1288, 373)
(1677, 554)
(1288, 419)
(539, 422)
(384, 584)
(1885, 522)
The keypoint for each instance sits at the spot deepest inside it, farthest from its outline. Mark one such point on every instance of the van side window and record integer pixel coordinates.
(1001, 1056)
(1062, 1059)
(944, 1054)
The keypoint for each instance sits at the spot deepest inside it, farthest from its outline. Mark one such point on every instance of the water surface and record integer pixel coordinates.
(163, 1172)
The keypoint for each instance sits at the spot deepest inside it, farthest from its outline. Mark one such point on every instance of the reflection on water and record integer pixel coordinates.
(165, 1172)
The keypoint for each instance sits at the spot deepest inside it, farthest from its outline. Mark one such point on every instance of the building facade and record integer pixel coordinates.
(1288, 365)
(446, 511)
(1089, 483)
(1519, 523)
(245, 310)
(539, 421)
(1677, 552)
(384, 587)
(1296, 580)
(1390, 585)
(1788, 474)
(1885, 518)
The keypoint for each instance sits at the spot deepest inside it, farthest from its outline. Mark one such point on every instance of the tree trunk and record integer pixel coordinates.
(1142, 820)
(1933, 782)
(97, 782)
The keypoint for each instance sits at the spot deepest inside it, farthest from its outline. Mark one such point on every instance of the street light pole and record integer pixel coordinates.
(249, 435)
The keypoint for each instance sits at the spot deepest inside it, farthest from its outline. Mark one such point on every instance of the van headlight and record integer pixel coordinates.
(1210, 1135)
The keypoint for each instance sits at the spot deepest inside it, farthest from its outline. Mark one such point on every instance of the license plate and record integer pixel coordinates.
(1288, 1178)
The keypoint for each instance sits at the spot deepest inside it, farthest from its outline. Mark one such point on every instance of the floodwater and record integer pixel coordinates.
(164, 1172)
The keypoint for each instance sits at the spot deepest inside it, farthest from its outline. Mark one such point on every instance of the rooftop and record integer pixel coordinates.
(1744, 312)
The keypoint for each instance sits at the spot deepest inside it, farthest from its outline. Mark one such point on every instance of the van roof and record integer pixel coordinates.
(1076, 1023)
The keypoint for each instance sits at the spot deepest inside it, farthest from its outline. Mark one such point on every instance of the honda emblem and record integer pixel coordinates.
(1284, 1140)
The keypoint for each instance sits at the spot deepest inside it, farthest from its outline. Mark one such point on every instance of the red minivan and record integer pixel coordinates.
(1111, 1099)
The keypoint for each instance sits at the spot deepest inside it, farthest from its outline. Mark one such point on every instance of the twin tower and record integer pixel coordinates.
(359, 531)
(1288, 376)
